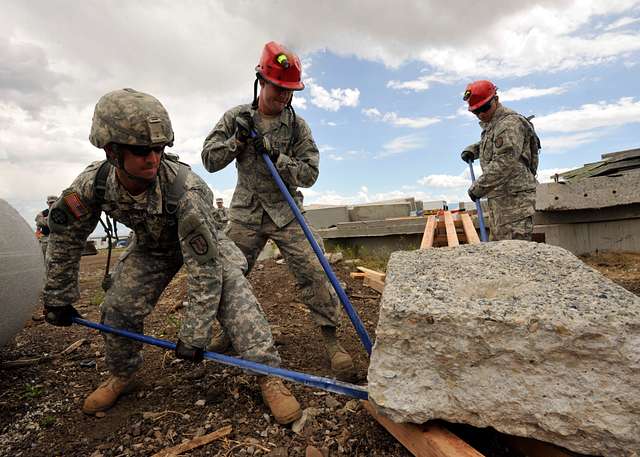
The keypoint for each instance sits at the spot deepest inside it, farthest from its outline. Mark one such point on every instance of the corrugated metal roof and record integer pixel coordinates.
(612, 163)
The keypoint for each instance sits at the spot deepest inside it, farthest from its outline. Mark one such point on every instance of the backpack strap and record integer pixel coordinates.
(100, 183)
(177, 190)
(530, 157)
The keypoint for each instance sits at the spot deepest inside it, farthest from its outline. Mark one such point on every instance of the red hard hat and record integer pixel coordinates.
(478, 93)
(280, 66)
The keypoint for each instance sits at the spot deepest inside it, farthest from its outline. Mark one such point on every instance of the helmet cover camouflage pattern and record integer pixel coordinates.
(127, 116)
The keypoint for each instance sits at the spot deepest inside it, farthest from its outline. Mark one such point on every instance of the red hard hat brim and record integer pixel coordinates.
(480, 103)
(294, 85)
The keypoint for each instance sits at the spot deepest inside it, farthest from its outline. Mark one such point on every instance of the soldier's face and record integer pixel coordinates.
(487, 115)
(273, 99)
(143, 166)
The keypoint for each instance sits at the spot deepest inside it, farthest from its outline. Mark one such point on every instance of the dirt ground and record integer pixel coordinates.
(176, 401)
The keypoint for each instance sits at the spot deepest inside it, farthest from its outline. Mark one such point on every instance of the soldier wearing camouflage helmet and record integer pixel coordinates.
(258, 211)
(508, 153)
(222, 213)
(169, 208)
(42, 225)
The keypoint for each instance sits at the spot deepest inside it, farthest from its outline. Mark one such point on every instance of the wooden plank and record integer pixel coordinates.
(357, 275)
(469, 229)
(452, 236)
(374, 282)
(430, 440)
(194, 443)
(534, 448)
(429, 231)
(376, 274)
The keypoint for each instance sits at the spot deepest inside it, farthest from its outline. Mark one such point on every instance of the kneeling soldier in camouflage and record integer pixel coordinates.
(170, 209)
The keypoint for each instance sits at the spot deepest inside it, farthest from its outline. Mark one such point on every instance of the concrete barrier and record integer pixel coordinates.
(21, 272)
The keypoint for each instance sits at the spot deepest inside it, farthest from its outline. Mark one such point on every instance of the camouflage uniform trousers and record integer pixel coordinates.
(317, 292)
(139, 280)
(505, 223)
(44, 241)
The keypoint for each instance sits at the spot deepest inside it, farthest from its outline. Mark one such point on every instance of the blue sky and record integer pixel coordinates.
(384, 84)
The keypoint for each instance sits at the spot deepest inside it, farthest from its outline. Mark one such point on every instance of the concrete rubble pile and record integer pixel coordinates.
(519, 336)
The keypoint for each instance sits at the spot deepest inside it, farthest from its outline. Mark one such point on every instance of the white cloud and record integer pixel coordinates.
(622, 22)
(299, 102)
(422, 83)
(393, 119)
(591, 116)
(546, 175)
(562, 143)
(521, 93)
(332, 197)
(332, 99)
(444, 181)
(401, 144)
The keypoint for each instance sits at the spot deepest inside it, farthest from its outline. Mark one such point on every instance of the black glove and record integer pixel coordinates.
(473, 196)
(60, 316)
(185, 351)
(467, 155)
(244, 125)
(262, 145)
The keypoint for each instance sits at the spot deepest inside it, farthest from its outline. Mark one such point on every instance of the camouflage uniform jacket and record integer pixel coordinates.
(256, 191)
(223, 215)
(502, 150)
(42, 224)
(190, 231)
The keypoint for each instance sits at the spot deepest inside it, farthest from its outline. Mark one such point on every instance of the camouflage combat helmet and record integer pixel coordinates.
(127, 116)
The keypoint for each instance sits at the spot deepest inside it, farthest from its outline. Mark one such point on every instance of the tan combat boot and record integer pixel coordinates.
(341, 361)
(220, 343)
(283, 405)
(105, 396)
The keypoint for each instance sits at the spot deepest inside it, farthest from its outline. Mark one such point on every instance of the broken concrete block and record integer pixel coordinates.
(519, 336)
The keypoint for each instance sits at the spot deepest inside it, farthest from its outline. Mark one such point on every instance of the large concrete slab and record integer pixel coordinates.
(598, 192)
(586, 238)
(326, 217)
(21, 272)
(520, 336)
(375, 212)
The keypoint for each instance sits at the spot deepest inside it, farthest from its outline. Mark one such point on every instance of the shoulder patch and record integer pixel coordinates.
(498, 142)
(199, 244)
(75, 205)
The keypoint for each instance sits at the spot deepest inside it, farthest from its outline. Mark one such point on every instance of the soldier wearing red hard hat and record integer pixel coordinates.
(508, 153)
(258, 211)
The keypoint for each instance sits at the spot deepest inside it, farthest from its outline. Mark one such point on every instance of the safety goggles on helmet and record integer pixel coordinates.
(484, 108)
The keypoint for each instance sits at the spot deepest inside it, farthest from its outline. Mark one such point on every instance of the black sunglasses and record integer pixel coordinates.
(142, 151)
(483, 109)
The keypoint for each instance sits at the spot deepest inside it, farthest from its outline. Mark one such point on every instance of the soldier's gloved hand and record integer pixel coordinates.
(185, 351)
(262, 145)
(472, 196)
(60, 316)
(244, 125)
(467, 155)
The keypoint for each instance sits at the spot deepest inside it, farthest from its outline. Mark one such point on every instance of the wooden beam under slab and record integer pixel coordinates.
(357, 275)
(429, 231)
(452, 236)
(469, 229)
(430, 440)
(376, 274)
(373, 282)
